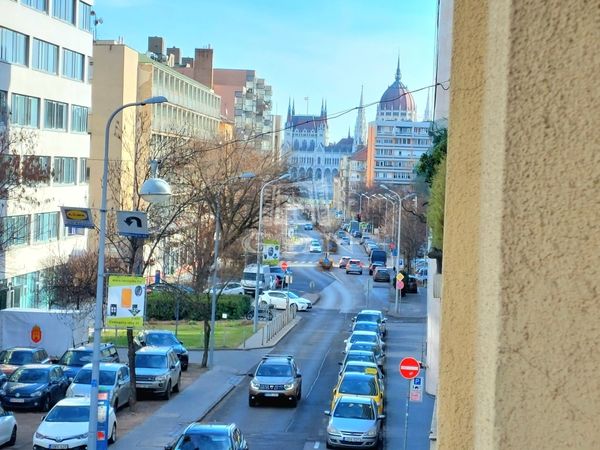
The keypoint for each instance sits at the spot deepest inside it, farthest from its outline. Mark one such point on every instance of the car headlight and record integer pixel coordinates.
(332, 430)
(41, 436)
(160, 378)
(80, 436)
(254, 383)
(372, 432)
(288, 385)
(2, 392)
(37, 394)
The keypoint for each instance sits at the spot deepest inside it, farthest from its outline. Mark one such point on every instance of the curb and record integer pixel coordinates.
(214, 404)
(278, 337)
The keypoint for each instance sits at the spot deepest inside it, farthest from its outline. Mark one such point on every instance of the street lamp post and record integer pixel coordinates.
(151, 190)
(400, 199)
(258, 245)
(213, 296)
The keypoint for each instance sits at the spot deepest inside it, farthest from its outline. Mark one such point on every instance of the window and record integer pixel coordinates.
(55, 117)
(84, 171)
(73, 231)
(64, 170)
(40, 5)
(79, 119)
(13, 47)
(64, 10)
(37, 168)
(85, 16)
(45, 227)
(3, 107)
(15, 230)
(72, 65)
(25, 111)
(45, 56)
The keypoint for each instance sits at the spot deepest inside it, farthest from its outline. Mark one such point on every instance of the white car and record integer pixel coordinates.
(8, 428)
(230, 288)
(279, 300)
(67, 424)
(315, 247)
(363, 336)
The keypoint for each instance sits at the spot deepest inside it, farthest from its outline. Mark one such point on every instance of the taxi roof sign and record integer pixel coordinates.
(76, 217)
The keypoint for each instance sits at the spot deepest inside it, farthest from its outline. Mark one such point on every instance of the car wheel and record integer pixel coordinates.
(46, 404)
(184, 366)
(113, 434)
(328, 445)
(177, 386)
(167, 394)
(294, 402)
(251, 402)
(300, 393)
(13, 437)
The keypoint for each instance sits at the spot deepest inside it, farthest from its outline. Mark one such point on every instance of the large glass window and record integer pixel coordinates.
(55, 115)
(45, 56)
(79, 119)
(25, 111)
(72, 64)
(40, 5)
(37, 169)
(85, 16)
(45, 227)
(65, 170)
(13, 47)
(64, 10)
(84, 171)
(14, 230)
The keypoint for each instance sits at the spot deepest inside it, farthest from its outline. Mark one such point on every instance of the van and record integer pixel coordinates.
(265, 281)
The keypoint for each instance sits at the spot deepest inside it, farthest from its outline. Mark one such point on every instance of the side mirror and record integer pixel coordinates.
(327, 412)
(168, 447)
(173, 366)
(340, 363)
(298, 375)
(251, 375)
(384, 321)
(43, 417)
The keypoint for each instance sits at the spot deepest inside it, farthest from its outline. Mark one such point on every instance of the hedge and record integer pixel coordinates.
(162, 306)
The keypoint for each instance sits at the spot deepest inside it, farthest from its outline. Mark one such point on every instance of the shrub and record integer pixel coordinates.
(162, 306)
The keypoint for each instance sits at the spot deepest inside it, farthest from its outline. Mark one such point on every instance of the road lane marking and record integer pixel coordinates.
(317, 444)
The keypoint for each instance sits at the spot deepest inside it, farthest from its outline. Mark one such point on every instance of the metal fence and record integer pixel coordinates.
(277, 324)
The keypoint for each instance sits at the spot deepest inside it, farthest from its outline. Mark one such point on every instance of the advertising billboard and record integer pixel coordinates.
(126, 301)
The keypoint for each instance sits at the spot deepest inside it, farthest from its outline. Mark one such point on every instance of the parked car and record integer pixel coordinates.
(75, 358)
(382, 274)
(341, 234)
(354, 266)
(354, 422)
(8, 428)
(157, 371)
(363, 336)
(277, 377)
(345, 240)
(372, 315)
(34, 386)
(372, 347)
(12, 358)
(3, 379)
(421, 276)
(67, 425)
(367, 326)
(363, 367)
(308, 226)
(114, 378)
(359, 355)
(359, 384)
(343, 262)
(411, 285)
(210, 436)
(356, 234)
(374, 265)
(163, 338)
(229, 288)
(332, 246)
(280, 299)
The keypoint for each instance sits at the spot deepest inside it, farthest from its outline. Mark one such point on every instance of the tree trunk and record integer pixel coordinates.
(131, 358)
(206, 342)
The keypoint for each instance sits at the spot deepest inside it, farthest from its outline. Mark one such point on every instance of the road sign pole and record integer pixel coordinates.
(406, 415)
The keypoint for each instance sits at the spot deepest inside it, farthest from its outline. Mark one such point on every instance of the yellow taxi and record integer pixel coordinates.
(359, 384)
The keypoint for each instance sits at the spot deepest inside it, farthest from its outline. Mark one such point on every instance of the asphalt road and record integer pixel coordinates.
(317, 344)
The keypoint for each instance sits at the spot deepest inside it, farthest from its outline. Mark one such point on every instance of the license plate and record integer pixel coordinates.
(352, 439)
(271, 394)
(17, 400)
(53, 446)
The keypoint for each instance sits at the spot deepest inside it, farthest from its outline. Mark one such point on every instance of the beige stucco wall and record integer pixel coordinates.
(520, 310)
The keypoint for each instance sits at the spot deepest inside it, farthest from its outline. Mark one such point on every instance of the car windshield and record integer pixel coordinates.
(348, 410)
(363, 338)
(366, 326)
(358, 368)
(75, 358)
(26, 375)
(16, 357)
(150, 361)
(358, 386)
(204, 442)
(107, 377)
(161, 339)
(68, 414)
(274, 370)
(365, 346)
(366, 317)
(368, 357)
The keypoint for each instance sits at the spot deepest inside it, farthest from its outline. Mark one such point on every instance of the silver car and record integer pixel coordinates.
(114, 379)
(354, 423)
(157, 370)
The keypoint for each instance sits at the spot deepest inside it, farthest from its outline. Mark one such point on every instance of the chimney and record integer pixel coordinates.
(203, 66)
(156, 44)
(176, 52)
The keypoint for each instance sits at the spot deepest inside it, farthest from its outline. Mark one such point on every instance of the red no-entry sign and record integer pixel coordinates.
(409, 368)
(284, 266)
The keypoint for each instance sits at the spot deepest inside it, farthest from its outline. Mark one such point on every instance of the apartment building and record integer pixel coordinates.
(45, 95)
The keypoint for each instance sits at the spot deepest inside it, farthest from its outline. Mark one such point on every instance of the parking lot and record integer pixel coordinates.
(28, 422)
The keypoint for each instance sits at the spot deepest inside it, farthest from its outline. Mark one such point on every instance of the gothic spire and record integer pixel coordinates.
(289, 114)
(398, 74)
(427, 113)
(293, 107)
(360, 129)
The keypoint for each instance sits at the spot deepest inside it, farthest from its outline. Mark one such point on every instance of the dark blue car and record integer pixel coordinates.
(75, 358)
(34, 386)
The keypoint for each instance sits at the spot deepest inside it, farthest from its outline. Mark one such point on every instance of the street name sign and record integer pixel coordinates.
(409, 368)
(132, 223)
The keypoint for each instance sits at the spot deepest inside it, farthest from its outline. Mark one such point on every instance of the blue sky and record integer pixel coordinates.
(314, 48)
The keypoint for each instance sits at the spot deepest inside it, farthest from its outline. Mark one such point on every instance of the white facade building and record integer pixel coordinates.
(399, 139)
(45, 52)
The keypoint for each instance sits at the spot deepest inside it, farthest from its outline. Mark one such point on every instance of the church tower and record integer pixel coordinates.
(360, 129)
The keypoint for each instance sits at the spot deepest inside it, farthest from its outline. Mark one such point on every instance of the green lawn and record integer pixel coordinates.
(228, 333)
